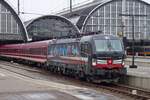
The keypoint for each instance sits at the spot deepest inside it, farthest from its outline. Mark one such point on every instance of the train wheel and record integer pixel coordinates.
(82, 75)
(76, 75)
(88, 78)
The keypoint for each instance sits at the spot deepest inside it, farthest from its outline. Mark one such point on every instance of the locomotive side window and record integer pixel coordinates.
(108, 45)
(85, 49)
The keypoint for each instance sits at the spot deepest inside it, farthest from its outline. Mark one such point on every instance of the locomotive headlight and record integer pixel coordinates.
(123, 63)
(94, 62)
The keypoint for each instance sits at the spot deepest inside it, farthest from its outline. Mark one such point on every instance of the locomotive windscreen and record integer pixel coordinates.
(108, 45)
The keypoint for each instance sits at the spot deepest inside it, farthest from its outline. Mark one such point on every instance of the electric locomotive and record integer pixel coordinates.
(98, 58)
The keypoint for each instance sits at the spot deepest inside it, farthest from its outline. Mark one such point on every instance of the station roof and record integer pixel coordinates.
(80, 13)
(50, 26)
(12, 34)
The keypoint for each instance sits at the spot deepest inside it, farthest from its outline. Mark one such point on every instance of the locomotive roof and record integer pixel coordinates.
(70, 40)
(84, 38)
(98, 36)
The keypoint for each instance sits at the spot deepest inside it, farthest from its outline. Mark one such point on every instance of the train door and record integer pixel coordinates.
(86, 53)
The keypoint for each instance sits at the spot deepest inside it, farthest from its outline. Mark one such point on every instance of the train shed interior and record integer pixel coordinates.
(50, 26)
(12, 30)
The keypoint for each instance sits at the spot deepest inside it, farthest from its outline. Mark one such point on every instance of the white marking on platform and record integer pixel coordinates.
(84, 97)
(1, 74)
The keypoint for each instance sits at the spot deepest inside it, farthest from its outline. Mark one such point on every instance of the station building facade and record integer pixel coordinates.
(49, 27)
(105, 16)
(12, 29)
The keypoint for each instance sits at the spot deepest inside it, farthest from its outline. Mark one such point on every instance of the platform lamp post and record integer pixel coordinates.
(70, 6)
(133, 39)
(18, 7)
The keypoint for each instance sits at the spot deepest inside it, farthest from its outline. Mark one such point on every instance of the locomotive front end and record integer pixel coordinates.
(107, 58)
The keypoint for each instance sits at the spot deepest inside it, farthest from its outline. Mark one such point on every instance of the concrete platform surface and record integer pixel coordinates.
(12, 88)
(17, 87)
(138, 77)
(139, 59)
(139, 71)
(37, 95)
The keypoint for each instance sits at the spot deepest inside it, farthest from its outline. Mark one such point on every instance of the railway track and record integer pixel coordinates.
(135, 93)
(7, 66)
(132, 92)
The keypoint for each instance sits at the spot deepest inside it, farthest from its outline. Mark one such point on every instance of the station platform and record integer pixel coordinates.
(140, 76)
(15, 88)
(139, 59)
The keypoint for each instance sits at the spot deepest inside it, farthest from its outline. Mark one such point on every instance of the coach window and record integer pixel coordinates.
(37, 51)
(54, 50)
(31, 51)
(40, 51)
(44, 51)
(51, 50)
(34, 50)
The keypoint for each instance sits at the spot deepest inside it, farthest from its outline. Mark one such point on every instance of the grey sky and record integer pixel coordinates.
(43, 6)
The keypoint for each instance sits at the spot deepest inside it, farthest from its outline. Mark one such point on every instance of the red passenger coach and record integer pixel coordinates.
(35, 51)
